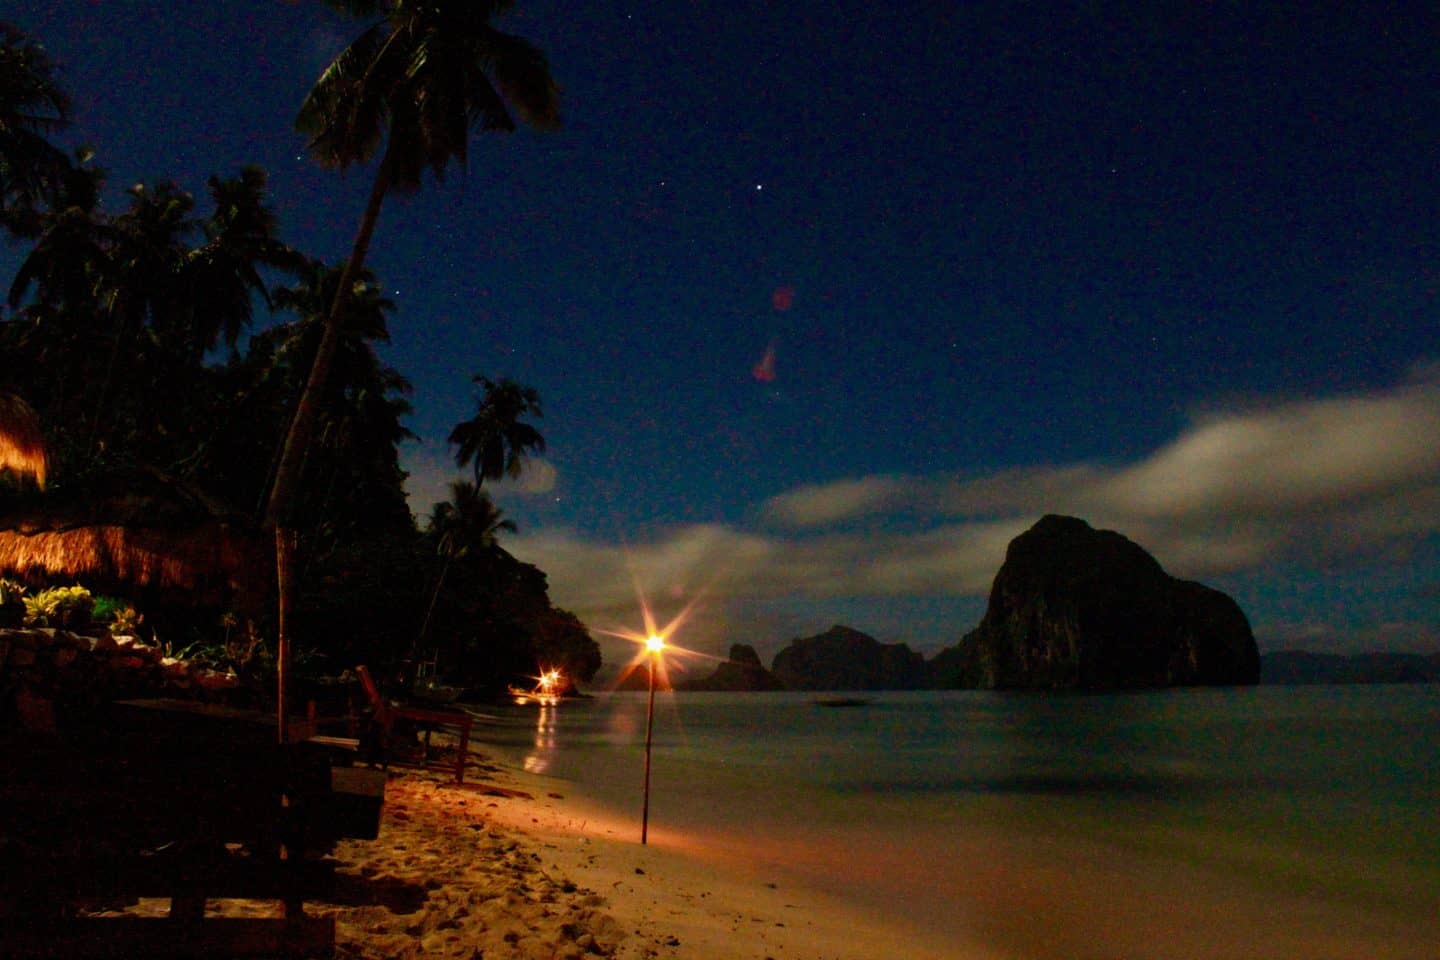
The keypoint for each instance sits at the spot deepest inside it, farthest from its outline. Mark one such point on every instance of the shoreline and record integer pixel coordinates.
(507, 866)
(1005, 892)
(521, 864)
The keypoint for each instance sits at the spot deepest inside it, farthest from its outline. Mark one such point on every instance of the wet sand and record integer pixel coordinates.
(500, 868)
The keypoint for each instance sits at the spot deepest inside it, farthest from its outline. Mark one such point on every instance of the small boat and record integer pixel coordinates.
(843, 701)
(546, 691)
(523, 697)
(433, 692)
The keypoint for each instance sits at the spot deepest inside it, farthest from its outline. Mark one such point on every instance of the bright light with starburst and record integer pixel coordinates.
(654, 641)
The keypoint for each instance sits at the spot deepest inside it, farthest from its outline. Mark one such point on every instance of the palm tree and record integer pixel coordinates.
(494, 442)
(32, 106)
(465, 525)
(415, 83)
(352, 471)
(49, 344)
(131, 304)
(223, 275)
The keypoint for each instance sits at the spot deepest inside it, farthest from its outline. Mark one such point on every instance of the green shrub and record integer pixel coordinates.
(107, 607)
(121, 616)
(69, 608)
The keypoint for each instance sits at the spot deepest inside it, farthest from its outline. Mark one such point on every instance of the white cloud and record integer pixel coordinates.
(819, 504)
(432, 469)
(1299, 457)
(1320, 481)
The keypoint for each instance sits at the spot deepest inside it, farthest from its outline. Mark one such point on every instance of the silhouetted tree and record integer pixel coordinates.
(495, 442)
(466, 524)
(116, 315)
(32, 108)
(415, 83)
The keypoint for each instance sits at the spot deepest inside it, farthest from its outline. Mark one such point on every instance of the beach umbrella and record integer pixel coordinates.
(22, 446)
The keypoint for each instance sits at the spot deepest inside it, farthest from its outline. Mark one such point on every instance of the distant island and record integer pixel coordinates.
(1280, 668)
(1295, 667)
(1072, 608)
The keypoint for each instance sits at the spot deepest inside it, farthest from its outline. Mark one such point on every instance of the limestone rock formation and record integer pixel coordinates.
(743, 672)
(1078, 608)
(846, 659)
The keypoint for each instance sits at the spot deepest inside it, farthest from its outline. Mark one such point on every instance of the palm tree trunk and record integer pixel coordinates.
(429, 612)
(279, 512)
(302, 425)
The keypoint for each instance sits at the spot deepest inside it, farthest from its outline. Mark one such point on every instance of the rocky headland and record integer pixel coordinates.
(1072, 607)
(1075, 608)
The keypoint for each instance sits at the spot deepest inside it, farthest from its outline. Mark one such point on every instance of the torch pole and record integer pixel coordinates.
(649, 726)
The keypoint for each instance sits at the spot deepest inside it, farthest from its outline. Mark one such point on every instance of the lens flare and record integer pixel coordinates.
(654, 642)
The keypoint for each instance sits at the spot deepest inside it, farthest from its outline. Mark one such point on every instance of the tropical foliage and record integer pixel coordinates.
(33, 107)
(69, 607)
(180, 338)
(495, 442)
(413, 84)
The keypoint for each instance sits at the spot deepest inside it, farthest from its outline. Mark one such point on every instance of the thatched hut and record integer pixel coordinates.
(141, 530)
(22, 445)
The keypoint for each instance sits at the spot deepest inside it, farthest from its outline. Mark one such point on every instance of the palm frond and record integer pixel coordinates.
(346, 114)
(522, 75)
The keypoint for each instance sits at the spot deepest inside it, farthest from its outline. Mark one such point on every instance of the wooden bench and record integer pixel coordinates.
(185, 803)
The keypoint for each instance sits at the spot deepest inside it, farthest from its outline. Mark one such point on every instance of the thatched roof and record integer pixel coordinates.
(143, 530)
(22, 446)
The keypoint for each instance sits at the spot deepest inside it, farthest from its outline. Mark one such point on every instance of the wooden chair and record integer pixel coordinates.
(425, 718)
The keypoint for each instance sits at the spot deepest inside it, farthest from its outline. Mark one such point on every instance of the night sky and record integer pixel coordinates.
(827, 302)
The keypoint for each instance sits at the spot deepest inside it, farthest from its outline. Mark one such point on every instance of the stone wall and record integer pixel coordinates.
(50, 678)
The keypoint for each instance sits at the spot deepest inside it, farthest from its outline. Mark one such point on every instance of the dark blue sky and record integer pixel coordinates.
(1171, 267)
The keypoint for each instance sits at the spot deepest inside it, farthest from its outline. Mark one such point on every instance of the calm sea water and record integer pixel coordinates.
(1269, 821)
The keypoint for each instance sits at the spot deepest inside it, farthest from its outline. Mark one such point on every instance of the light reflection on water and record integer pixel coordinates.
(537, 761)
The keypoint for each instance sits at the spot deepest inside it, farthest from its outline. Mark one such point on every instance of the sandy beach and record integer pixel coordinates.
(518, 864)
(499, 869)
(505, 867)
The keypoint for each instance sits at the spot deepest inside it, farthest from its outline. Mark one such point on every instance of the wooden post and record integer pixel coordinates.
(649, 727)
(284, 559)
